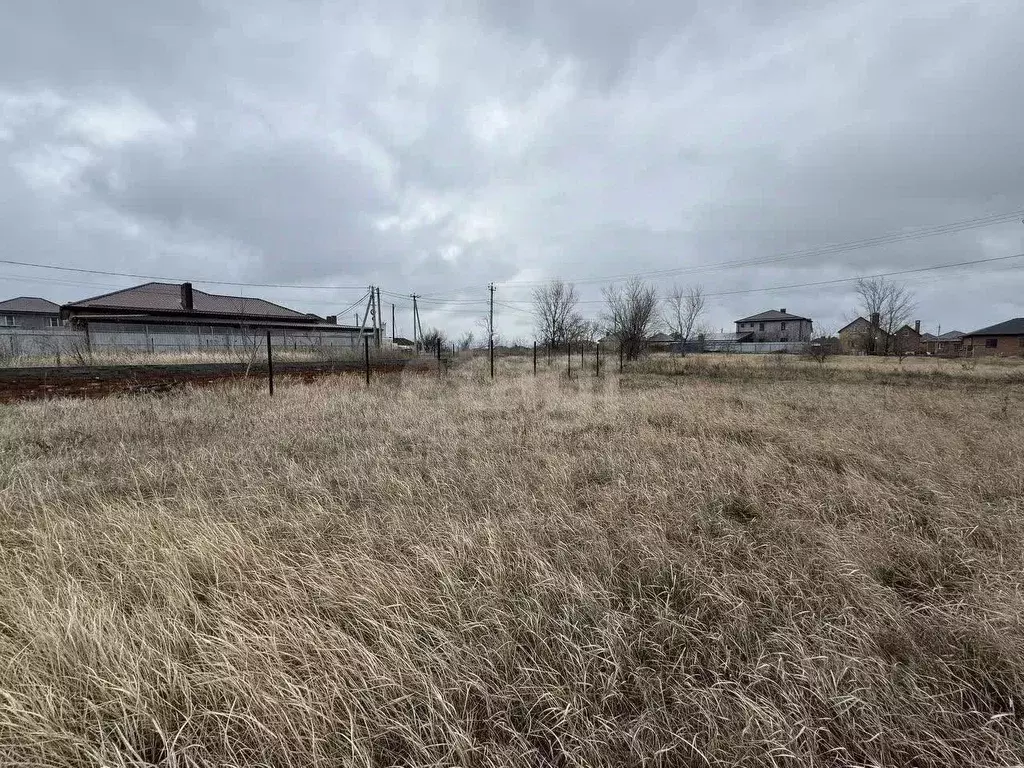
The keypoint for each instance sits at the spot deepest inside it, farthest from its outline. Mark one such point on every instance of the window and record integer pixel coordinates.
(1020, 342)
(784, 338)
(991, 343)
(760, 326)
(783, 328)
(7, 320)
(53, 322)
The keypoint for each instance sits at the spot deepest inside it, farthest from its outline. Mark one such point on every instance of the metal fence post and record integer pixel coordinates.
(270, 366)
(620, 357)
(535, 358)
(490, 345)
(597, 350)
(439, 358)
(568, 357)
(366, 357)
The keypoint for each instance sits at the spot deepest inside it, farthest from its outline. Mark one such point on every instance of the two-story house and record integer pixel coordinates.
(29, 313)
(775, 325)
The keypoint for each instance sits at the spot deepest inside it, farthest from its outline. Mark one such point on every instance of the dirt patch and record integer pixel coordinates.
(101, 381)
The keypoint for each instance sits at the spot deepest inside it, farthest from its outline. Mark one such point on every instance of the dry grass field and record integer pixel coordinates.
(716, 562)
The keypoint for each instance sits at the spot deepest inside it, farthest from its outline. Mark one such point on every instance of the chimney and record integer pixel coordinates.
(917, 327)
(186, 297)
(783, 310)
(332, 319)
(874, 319)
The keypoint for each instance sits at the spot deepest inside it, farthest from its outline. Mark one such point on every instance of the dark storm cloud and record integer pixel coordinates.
(437, 149)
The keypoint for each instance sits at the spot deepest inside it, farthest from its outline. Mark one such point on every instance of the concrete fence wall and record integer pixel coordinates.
(65, 342)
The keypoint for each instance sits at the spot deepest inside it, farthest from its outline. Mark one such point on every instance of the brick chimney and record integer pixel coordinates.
(186, 297)
(332, 319)
(783, 310)
(917, 327)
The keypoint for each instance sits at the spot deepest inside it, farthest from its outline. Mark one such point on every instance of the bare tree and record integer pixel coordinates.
(824, 346)
(487, 331)
(893, 303)
(631, 311)
(588, 331)
(431, 338)
(683, 311)
(554, 310)
(466, 340)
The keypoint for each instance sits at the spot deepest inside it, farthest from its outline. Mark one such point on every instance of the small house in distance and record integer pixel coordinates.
(865, 336)
(861, 335)
(946, 344)
(907, 340)
(29, 313)
(1001, 340)
(775, 325)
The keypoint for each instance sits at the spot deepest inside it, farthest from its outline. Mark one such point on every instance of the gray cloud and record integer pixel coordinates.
(438, 150)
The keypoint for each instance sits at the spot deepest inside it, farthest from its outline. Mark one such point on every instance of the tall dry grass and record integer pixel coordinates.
(653, 570)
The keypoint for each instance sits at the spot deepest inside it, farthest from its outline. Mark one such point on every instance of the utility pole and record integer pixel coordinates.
(415, 317)
(392, 322)
(373, 315)
(366, 314)
(490, 329)
(380, 319)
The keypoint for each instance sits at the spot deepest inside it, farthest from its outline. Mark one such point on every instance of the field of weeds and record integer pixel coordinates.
(702, 562)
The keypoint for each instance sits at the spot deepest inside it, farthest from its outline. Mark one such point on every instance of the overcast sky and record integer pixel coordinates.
(435, 147)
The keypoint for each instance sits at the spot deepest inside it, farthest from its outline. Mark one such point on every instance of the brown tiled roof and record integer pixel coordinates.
(166, 297)
(32, 304)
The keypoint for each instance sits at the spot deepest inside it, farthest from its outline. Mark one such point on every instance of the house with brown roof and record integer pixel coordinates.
(1004, 339)
(29, 313)
(907, 340)
(170, 315)
(862, 336)
(946, 344)
(775, 326)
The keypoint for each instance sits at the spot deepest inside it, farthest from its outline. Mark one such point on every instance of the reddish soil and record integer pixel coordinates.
(101, 381)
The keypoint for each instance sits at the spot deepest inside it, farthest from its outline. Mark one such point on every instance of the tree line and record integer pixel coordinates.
(633, 310)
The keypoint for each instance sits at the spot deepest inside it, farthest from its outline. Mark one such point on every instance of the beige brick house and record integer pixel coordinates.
(775, 325)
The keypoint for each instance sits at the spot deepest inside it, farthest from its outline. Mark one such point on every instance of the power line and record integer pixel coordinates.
(827, 250)
(935, 267)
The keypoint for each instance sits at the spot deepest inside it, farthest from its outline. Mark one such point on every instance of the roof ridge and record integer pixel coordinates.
(114, 293)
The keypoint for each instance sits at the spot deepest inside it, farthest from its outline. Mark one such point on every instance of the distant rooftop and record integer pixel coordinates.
(772, 315)
(30, 304)
(166, 297)
(1014, 327)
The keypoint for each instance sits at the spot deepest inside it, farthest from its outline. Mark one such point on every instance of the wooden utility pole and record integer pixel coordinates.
(366, 357)
(270, 365)
(374, 319)
(366, 314)
(490, 329)
(419, 327)
(392, 322)
(380, 320)
(415, 317)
